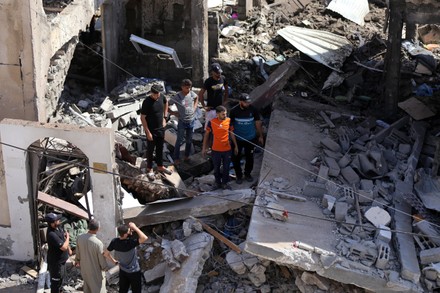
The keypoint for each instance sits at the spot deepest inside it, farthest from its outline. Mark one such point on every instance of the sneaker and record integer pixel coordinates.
(239, 181)
(226, 186)
(249, 178)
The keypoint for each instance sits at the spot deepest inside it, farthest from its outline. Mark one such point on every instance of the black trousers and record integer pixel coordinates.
(155, 144)
(57, 273)
(249, 155)
(127, 280)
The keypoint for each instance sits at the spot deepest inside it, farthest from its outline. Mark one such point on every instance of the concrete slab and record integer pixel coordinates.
(302, 242)
(205, 204)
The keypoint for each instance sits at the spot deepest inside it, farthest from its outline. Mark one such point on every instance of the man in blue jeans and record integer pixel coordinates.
(186, 101)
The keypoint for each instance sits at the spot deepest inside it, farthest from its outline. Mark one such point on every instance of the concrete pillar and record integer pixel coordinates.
(199, 41)
(110, 45)
(244, 7)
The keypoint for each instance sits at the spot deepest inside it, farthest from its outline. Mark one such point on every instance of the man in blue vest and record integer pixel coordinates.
(248, 131)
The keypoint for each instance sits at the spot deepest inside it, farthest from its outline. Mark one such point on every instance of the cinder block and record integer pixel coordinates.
(341, 209)
(333, 166)
(331, 144)
(344, 161)
(365, 196)
(328, 201)
(428, 256)
(323, 174)
(367, 184)
(314, 189)
(383, 234)
(349, 195)
(383, 257)
(378, 216)
(350, 175)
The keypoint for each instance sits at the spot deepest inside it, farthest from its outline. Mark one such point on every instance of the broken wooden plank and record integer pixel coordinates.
(62, 204)
(220, 237)
(31, 272)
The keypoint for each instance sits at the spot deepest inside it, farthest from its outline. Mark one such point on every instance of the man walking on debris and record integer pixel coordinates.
(186, 101)
(91, 260)
(217, 90)
(126, 256)
(58, 253)
(153, 112)
(247, 127)
(221, 130)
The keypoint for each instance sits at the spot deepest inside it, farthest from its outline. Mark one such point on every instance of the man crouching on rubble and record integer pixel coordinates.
(222, 132)
(126, 256)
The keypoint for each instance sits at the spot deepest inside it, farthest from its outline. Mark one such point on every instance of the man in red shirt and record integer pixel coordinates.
(222, 130)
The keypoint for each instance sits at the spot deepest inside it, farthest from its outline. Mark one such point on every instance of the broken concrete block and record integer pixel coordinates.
(349, 195)
(249, 260)
(121, 110)
(344, 161)
(323, 174)
(331, 144)
(366, 184)
(155, 273)
(171, 136)
(341, 209)
(235, 262)
(257, 275)
(383, 256)
(314, 189)
(333, 166)
(179, 250)
(276, 211)
(428, 256)
(350, 175)
(365, 196)
(404, 148)
(315, 280)
(383, 234)
(106, 105)
(378, 216)
(328, 201)
(167, 255)
(112, 275)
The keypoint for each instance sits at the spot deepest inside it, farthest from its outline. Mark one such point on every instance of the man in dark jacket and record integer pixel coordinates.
(58, 253)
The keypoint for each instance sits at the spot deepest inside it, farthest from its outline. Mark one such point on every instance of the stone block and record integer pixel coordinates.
(333, 166)
(344, 161)
(235, 262)
(331, 144)
(314, 189)
(179, 250)
(257, 275)
(155, 273)
(341, 209)
(350, 175)
(378, 216)
(366, 184)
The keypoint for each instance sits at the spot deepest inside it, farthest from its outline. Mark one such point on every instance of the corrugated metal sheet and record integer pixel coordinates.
(354, 10)
(326, 48)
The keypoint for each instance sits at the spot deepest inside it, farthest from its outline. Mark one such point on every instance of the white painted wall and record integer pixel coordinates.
(96, 143)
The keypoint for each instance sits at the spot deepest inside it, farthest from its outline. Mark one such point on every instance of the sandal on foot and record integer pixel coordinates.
(164, 170)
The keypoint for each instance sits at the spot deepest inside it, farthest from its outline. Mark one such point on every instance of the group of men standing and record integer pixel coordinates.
(240, 132)
(90, 256)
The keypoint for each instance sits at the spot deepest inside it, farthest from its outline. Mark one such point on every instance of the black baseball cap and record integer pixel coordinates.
(216, 68)
(245, 97)
(52, 217)
(156, 88)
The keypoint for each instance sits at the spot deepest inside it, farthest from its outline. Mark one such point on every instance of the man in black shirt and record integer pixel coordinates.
(58, 253)
(124, 248)
(217, 90)
(153, 112)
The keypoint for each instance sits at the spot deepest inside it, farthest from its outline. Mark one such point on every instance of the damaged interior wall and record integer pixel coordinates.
(17, 240)
(32, 40)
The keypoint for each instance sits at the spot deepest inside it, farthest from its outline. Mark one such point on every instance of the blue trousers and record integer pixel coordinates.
(184, 129)
(217, 159)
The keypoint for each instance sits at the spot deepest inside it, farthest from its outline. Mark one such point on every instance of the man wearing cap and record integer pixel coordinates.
(186, 102)
(247, 127)
(217, 90)
(153, 112)
(90, 258)
(221, 130)
(58, 253)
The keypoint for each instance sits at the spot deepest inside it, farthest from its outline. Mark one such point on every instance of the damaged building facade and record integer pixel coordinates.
(372, 166)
